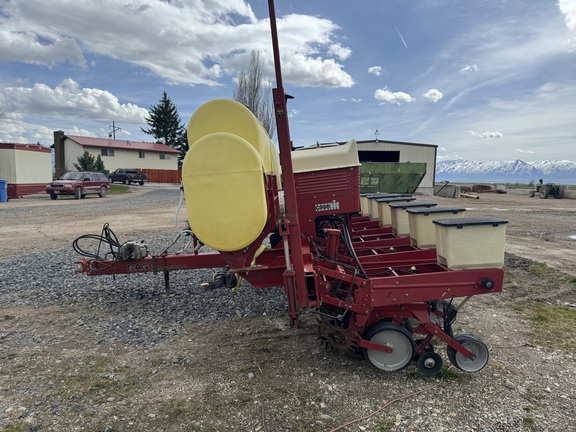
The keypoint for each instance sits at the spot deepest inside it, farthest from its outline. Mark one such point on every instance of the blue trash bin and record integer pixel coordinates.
(3, 191)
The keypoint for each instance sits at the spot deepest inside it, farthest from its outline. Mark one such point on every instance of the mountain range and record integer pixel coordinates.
(516, 171)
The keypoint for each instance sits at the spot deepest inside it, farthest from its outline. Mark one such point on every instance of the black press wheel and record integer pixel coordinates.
(53, 196)
(430, 363)
(473, 344)
(531, 194)
(126, 181)
(395, 337)
(544, 191)
(78, 193)
(141, 183)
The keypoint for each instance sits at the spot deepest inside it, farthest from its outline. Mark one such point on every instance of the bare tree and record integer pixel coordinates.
(250, 91)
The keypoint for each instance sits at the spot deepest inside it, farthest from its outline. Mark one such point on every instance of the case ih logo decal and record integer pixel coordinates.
(334, 205)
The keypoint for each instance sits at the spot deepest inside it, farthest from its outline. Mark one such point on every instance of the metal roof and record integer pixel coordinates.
(121, 144)
(25, 147)
(383, 142)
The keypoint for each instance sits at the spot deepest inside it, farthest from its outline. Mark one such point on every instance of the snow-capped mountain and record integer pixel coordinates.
(516, 171)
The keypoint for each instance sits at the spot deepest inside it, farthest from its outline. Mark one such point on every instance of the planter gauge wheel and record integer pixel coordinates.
(395, 337)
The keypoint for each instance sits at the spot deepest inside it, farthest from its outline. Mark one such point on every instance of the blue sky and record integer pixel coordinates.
(483, 80)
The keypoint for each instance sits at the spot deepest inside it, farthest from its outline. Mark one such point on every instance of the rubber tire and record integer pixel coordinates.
(377, 358)
(141, 183)
(532, 194)
(78, 193)
(472, 343)
(102, 192)
(53, 196)
(560, 193)
(126, 181)
(436, 367)
(544, 192)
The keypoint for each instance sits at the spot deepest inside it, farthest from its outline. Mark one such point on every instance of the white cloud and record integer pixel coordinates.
(487, 135)
(468, 69)
(315, 72)
(26, 48)
(568, 9)
(433, 95)
(79, 132)
(183, 42)
(17, 131)
(69, 99)
(386, 96)
(375, 70)
(524, 151)
(340, 52)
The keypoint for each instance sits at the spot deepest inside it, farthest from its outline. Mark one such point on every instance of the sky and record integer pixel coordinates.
(484, 80)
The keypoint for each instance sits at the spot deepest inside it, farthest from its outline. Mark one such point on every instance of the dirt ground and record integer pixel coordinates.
(259, 374)
(41, 222)
(539, 229)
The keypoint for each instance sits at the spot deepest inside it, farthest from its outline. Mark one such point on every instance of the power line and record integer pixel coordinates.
(114, 129)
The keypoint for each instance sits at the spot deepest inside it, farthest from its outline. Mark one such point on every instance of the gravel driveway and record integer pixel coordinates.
(121, 354)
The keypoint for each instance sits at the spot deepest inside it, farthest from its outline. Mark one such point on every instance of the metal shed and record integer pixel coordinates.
(402, 152)
(26, 167)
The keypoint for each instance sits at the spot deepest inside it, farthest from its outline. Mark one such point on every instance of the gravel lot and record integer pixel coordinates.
(120, 354)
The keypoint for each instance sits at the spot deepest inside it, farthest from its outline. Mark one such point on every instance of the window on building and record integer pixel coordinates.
(107, 152)
(141, 154)
(164, 156)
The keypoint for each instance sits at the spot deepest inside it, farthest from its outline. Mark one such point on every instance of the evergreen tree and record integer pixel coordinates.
(166, 125)
(99, 165)
(250, 92)
(87, 162)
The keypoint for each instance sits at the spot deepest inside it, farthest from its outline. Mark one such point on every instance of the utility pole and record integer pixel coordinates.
(114, 129)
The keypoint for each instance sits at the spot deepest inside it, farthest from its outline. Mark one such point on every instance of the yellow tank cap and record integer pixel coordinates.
(225, 191)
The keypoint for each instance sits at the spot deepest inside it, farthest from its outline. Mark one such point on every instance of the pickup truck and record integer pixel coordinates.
(127, 176)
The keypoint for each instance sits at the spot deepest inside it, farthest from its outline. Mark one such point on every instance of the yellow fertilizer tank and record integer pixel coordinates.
(223, 175)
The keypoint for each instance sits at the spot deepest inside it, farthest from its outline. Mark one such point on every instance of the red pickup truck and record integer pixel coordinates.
(79, 184)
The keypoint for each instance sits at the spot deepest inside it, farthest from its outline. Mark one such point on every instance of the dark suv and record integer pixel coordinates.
(79, 184)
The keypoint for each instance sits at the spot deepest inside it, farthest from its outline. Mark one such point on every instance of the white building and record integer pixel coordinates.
(114, 153)
(26, 167)
(397, 151)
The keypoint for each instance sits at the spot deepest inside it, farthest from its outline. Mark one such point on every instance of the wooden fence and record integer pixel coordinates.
(162, 176)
